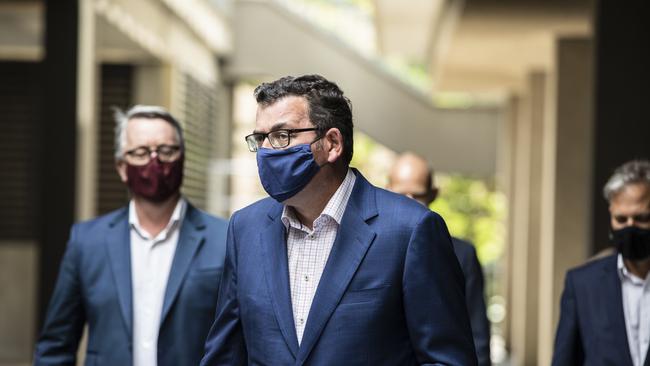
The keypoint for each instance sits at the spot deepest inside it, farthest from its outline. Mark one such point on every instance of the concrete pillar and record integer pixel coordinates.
(567, 172)
(87, 117)
(505, 181)
(526, 218)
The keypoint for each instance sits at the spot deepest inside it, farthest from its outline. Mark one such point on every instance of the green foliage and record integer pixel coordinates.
(473, 212)
(363, 149)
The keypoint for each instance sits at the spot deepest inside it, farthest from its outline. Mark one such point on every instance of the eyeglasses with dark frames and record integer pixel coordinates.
(141, 155)
(278, 138)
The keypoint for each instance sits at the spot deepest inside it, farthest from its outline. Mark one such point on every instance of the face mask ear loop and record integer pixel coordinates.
(313, 142)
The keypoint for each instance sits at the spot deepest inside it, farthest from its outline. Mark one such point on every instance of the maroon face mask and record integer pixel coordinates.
(155, 181)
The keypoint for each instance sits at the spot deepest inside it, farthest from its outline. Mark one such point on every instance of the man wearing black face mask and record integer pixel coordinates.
(605, 315)
(331, 270)
(145, 277)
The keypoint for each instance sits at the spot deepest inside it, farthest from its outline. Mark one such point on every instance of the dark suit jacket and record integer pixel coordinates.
(94, 287)
(475, 298)
(592, 330)
(390, 294)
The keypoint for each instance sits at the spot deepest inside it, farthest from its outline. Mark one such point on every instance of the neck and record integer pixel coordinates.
(638, 268)
(309, 203)
(154, 216)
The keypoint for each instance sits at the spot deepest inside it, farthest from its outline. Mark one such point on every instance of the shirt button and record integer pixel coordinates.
(306, 278)
(301, 321)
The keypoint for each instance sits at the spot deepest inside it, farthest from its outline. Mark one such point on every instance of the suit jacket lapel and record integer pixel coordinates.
(118, 246)
(615, 314)
(189, 240)
(274, 252)
(353, 239)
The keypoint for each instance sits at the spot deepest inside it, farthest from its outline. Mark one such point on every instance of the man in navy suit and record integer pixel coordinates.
(331, 270)
(605, 308)
(412, 176)
(143, 278)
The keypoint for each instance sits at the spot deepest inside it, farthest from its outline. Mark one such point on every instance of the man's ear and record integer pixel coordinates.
(120, 166)
(433, 194)
(333, 144)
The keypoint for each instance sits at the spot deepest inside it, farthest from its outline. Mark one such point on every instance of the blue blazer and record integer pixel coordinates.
(474, 298)
(390, 294)
(94, 287)
(592, 329)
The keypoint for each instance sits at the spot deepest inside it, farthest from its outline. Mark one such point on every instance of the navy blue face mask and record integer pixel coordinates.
(286, 172)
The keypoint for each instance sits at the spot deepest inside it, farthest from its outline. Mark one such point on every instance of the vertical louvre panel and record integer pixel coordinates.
(116, 89)
(19, 116)
(199, 116)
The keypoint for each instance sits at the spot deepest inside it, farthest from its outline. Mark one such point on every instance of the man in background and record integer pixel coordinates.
(605, 307)
(145, 278)
(412, 176)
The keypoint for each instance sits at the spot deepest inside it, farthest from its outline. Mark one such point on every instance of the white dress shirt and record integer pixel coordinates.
(151, 260)
(636, 307)
(308, 250)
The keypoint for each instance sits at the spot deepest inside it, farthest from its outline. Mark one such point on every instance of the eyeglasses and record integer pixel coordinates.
(142, 155)
(641, 218)
(278, 138)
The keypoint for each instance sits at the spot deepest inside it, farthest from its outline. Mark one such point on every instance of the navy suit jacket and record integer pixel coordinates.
(592, 329)
(94, 287)
(474, 298)
(391, 292)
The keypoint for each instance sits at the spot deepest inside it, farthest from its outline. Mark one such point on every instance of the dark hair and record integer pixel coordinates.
(328, 107)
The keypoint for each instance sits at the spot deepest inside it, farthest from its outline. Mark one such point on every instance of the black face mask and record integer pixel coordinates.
(632, 242)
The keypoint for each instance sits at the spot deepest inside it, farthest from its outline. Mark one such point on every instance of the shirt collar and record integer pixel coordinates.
(625, 275)
(334, 209)
(177, 216)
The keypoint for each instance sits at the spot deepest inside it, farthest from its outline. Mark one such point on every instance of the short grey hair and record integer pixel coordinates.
(142, 111)
(635, 171)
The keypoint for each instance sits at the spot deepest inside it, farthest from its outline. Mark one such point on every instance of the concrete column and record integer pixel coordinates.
(505, 181)
(567, 172)
(87, 118)
(526, 214)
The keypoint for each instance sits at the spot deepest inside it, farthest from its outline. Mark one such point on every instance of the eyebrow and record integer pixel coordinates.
(275, 127)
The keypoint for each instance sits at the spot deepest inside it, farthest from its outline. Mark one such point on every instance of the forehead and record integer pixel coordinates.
(149, 131)
(292, 111)
(633, 197)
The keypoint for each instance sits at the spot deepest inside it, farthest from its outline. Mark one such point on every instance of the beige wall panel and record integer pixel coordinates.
(18, 282)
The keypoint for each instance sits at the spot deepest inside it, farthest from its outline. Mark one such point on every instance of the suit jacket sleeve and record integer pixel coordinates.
(568, 343)
(434, 304)
(225, 343)
(476, 306)
(59, 339)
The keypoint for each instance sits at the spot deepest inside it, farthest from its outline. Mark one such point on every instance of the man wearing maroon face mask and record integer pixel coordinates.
(144, 278)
